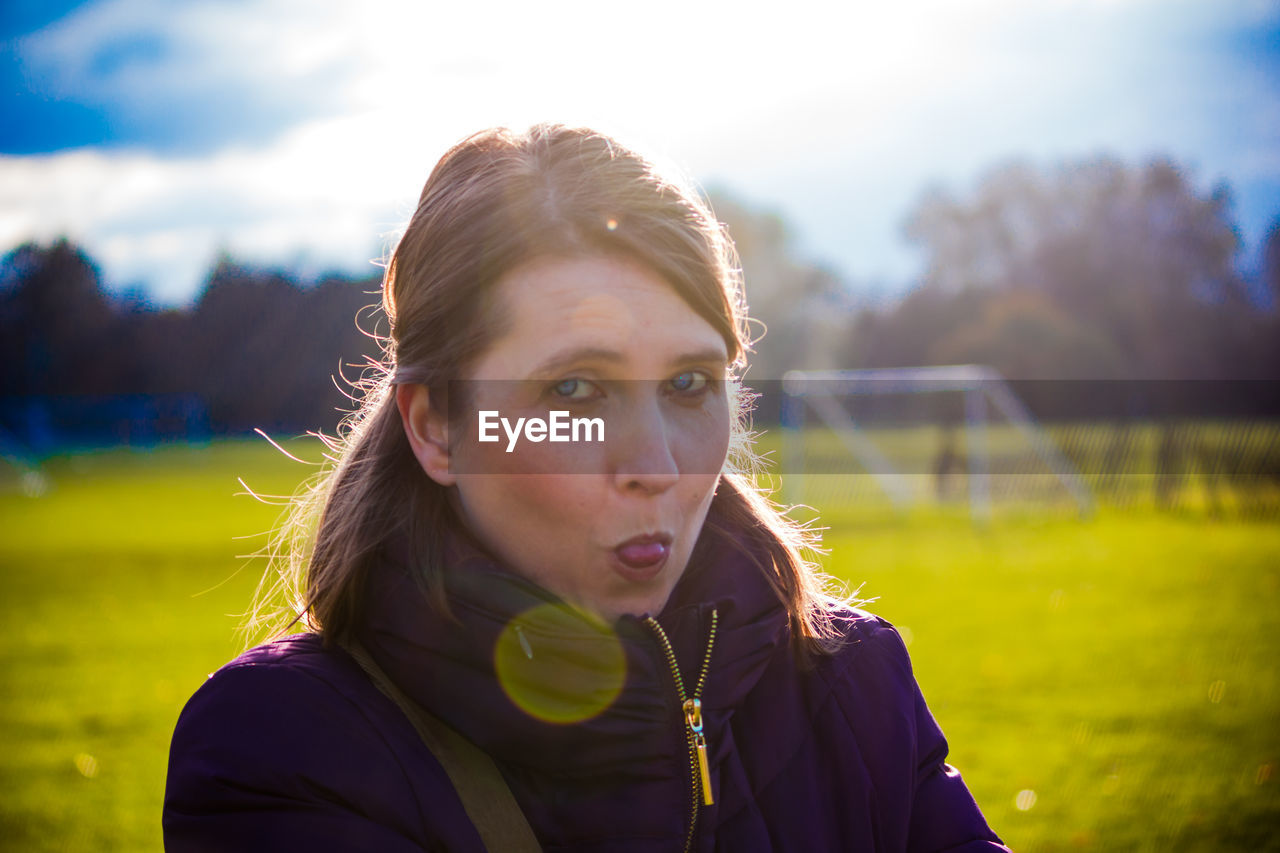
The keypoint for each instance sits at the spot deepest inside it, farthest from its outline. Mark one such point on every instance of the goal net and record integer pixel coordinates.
(918, 435)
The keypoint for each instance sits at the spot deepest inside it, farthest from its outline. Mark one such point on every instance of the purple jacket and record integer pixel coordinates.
(290, 746)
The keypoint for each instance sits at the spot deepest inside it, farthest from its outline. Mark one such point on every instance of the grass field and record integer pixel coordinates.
(1107, 684)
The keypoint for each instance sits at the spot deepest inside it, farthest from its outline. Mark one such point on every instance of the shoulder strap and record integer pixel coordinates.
(484, 793)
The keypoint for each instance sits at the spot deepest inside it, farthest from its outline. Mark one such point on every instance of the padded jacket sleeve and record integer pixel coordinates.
(275, 757)
(943, 814)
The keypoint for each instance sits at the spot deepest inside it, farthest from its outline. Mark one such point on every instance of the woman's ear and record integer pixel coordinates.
(427, 430)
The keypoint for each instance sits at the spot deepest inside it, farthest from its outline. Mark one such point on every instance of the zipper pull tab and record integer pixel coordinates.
(693, 719)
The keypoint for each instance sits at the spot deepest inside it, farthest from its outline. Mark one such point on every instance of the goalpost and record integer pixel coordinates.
(919, 434)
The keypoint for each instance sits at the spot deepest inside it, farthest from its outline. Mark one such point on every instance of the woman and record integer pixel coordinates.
(619, 622)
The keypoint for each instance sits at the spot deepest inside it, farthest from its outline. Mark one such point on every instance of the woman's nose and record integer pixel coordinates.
(644, 456)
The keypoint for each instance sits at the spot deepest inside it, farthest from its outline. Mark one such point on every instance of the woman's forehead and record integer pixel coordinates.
(600, 309)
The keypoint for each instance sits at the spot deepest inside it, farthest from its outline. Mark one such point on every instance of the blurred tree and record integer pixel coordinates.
(257, 349)
(55, 321)
(264, 351)
(1271, 266)
(902, 334)
(1264, 336)
(1026, 336)
(804, 307)
(1136, 255)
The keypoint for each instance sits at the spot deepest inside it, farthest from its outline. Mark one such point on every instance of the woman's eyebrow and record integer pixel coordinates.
(561, 360)
(710, 355)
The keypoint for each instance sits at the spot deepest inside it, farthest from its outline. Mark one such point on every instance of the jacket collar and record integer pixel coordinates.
(543, 687)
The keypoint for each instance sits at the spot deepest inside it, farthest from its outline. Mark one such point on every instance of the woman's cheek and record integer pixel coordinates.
(530, 454)
(700, 438)
(565, 500)
(525, 520)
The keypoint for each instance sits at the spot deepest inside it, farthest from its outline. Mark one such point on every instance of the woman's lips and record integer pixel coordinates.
(642, 557)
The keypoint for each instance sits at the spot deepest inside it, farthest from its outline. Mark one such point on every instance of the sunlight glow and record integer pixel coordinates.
(841, 113)
(560, 665)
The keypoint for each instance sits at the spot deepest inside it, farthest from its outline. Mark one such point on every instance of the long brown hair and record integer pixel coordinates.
(495, 200)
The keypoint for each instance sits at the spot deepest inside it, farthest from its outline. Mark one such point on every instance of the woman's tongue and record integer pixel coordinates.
(638, 554)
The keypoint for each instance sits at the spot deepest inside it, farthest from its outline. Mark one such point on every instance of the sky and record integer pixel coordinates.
(159, 134)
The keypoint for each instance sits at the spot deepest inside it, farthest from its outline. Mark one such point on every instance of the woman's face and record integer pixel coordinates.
(608, 525)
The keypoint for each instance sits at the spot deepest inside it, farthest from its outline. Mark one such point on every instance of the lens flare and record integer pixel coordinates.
(87, 765)
(560, 664)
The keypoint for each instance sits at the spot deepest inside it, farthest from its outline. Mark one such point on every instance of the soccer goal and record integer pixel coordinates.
(918, 435)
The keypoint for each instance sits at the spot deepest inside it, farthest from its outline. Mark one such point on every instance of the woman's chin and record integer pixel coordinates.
(636, 603)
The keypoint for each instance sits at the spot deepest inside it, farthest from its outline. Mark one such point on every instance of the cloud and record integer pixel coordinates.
(189, 77)
(315, 197)
(201, 74)
(290, 131)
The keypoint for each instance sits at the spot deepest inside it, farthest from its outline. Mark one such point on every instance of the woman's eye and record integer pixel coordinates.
(573, 390)
(693, 382)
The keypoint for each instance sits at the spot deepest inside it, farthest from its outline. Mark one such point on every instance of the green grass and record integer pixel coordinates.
(115, 590)
(1082, 661)
(1122, 668)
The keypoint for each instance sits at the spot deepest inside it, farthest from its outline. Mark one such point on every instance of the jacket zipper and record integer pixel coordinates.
(699, 765)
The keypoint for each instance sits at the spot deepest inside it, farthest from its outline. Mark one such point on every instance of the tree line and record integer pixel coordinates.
(1090, 270)
(257, 348)
(1094, 270)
